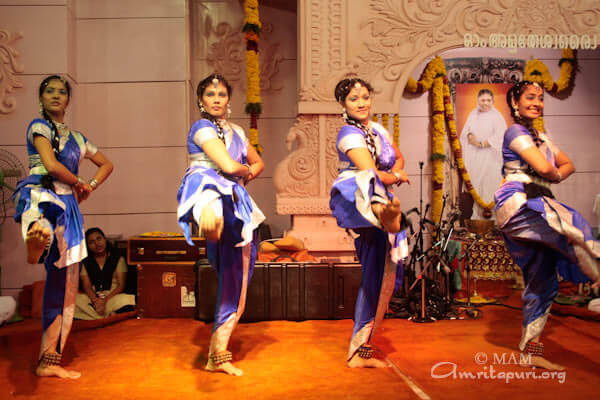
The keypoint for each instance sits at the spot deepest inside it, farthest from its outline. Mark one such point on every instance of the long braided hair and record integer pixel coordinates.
(212, 79)
(342, 89)
(514, 94)
(55, 139)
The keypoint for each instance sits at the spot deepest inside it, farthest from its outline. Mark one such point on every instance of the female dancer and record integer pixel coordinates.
(103, 275)
(543, 236)
(370, 162)
(47, 208)
(212, 194)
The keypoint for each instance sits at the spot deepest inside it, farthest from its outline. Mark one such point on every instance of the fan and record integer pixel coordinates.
(11, 171)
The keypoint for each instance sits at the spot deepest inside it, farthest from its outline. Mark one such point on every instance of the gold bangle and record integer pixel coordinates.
(94, 183)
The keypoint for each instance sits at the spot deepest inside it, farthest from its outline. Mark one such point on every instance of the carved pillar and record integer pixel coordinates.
(383, 41)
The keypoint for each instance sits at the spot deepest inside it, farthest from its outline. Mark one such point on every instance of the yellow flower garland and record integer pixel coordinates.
(385, 121)
(252, 28)
(435, 77)
(252, 78)
(537, 71)
(396, 129)
(251, 12)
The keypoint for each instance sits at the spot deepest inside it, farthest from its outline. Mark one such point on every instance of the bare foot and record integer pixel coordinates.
(541, 362)
(389, 214)
(359, 362)
(56, 370)
(226, 367)
(211, 226)
(36, 241)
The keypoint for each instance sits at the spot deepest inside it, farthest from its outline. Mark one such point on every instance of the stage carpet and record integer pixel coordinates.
(164, 359)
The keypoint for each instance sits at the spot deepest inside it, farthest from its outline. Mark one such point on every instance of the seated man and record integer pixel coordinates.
(103, 274)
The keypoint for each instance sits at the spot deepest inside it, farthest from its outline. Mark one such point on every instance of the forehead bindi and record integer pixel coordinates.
(533, 89)
(220, 88)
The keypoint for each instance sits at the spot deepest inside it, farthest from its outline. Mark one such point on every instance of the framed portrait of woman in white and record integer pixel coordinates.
(482, 116)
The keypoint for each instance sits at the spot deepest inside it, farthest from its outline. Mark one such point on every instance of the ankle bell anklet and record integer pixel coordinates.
(221, 357)
(534, 348)
(365, 351)
(49, 359)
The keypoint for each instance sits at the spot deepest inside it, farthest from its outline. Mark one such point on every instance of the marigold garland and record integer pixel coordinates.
(397, 129)
(252, 28)
(537, 71)
(434, 77)
(385, 121)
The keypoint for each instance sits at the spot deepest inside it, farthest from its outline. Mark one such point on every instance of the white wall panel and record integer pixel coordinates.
(33, 2)
(144, 180)
(131, 50)
(130, 8)
(43, 47)
(133, 114)
(263, 193)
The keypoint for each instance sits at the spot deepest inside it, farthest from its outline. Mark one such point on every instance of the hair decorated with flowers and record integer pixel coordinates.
(212, 80)
(343, 88)
(514, 94)
(55, 139)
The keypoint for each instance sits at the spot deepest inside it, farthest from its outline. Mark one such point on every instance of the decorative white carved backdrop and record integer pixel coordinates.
(383, 41)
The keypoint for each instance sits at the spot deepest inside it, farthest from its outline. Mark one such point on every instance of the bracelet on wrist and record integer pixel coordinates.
(94, 183)
(80, 180)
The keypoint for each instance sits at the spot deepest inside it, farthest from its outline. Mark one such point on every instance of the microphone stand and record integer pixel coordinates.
(418, 249)
(469, 308)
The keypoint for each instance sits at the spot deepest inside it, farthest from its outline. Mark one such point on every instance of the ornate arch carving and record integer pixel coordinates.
(383, 41)
(9, 68)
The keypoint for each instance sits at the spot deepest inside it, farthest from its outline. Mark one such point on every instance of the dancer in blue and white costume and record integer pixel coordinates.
(212, 194)
(370, 163)
(544, 237)
(52, 225)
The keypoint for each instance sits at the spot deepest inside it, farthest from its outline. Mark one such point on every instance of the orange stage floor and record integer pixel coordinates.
(164, 359)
